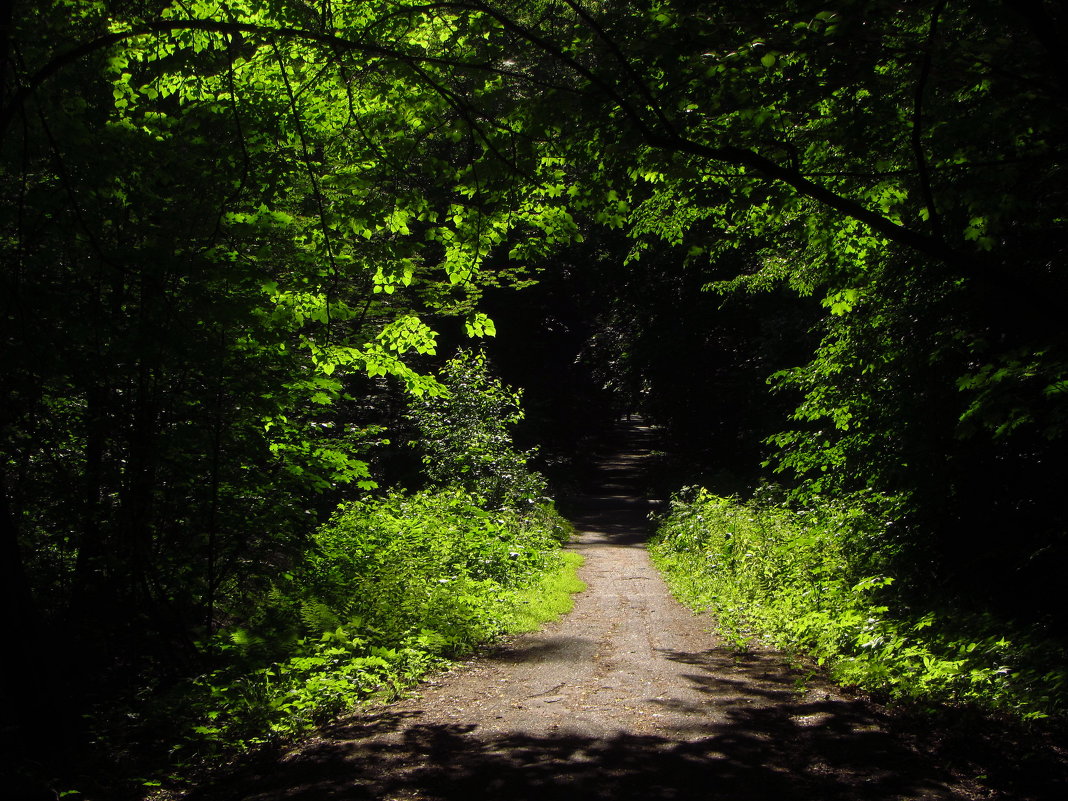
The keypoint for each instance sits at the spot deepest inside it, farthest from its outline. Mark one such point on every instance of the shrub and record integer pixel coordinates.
(432, 560)
(392, 587)
(465, 437)
(809, 580)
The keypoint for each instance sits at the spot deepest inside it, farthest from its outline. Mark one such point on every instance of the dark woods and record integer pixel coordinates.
(820, 244)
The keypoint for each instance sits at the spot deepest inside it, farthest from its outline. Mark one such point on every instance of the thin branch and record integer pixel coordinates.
(917, 120)
(354, 122)
(643, 87)
(69, 190)
(767, 168)
(299, 123)
(461, 108)
(239, 128)
(576, 66)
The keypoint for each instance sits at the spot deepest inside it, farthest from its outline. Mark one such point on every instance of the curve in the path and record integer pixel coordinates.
(628, 697)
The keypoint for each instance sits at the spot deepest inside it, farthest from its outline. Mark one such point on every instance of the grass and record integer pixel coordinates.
(547, 598)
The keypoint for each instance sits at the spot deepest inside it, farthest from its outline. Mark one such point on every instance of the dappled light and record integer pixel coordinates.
(336, 334)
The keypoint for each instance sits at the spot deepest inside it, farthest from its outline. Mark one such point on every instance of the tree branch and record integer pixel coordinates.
(319, 202)
(767, 168)
(643, 88)
(667, 139)
(917, 121)
(671, 141)
(59, 62)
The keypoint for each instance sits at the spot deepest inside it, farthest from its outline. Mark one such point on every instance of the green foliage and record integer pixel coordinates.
(392, 588)
(465, 437)
(393, 561)
(815, 581)
(872, 400)
(227, 229)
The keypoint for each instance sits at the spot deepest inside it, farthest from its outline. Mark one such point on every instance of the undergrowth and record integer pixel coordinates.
(391, 588)
(816, 581)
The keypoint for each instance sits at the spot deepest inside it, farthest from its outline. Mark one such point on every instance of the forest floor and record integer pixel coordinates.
(631, 696)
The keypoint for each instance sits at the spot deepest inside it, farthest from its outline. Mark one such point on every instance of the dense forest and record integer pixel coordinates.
(273, 271)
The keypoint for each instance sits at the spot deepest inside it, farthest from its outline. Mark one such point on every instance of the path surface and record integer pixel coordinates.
(628, 697)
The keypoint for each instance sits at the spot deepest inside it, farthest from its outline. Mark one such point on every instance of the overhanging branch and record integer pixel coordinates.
(34, 81)
(654, 134)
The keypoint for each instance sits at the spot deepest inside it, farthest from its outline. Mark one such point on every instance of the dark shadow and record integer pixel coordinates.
(615, 507)
(755, 754)
(758, 736)
(546, 649)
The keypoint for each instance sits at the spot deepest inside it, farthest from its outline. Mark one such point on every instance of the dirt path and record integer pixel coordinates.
(628, 697)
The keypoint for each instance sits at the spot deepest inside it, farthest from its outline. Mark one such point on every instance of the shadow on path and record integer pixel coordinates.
(791, 751)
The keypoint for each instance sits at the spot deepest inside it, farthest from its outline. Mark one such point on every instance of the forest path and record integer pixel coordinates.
(628, 697)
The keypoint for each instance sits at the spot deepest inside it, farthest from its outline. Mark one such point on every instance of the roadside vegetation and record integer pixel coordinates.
(821, 581)
(394, 587)
(396, 584)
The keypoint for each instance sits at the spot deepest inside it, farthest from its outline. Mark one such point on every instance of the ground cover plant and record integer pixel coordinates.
(391, 588)
(819, 581)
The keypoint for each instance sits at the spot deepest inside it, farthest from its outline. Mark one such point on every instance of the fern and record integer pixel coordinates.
(318, 618)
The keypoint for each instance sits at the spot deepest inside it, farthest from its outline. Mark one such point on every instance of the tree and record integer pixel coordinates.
(221, 223)
(466, 439)
(208, 243)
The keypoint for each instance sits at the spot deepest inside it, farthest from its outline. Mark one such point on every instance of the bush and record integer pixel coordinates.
(816, 581)
(392, 587)
(432, 560)
(465, 436)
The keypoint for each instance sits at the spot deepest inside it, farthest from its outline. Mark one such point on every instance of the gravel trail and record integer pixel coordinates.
(631, 696)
